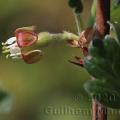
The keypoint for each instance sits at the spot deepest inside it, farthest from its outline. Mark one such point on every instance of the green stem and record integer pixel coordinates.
(91, 19)
(46, 38)
(79, 22)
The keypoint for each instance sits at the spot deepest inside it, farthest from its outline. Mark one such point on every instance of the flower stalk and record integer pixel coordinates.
(46, 38)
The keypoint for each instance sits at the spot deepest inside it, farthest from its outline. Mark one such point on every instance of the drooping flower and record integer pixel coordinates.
(24, 37)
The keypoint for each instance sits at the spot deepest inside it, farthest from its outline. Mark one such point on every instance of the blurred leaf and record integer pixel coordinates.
(103, 92)
(5, 102)
(111, 47)
(115, 10)
(96, 48)
(104, 64)
(115, 31)
(98, 68)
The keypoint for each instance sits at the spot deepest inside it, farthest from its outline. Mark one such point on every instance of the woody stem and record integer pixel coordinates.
(102, 17)
(102, 28)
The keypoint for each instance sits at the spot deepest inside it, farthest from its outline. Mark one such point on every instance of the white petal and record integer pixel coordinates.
(15, 50)
(10, 40)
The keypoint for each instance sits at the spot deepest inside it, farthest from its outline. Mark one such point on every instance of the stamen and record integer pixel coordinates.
(4, 48)
(6, 51)
(7, 56)
(3, 43)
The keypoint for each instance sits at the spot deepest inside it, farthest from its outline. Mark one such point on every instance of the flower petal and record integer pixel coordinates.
(25, 37)
(15, 50)
(32, 56)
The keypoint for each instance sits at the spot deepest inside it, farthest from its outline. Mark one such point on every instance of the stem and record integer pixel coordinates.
(91, 19)
(99, 111)
(102, 17)
(79, 23)
(46, 38)
(102, 28)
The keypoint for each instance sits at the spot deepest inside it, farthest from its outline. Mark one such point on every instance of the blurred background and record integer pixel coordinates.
(53, 88)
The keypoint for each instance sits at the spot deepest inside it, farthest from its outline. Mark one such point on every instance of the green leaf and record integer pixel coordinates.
(115, 11)
(96, 48)
(98, 68)
(103, 92)
(103, 63)
(116, 65)
(111, 47)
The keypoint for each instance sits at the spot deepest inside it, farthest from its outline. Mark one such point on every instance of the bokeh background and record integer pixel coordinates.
(43, 91)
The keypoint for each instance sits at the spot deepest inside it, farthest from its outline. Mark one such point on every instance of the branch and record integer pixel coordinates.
(102, 28)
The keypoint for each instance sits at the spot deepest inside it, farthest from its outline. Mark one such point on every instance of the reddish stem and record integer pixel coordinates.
(99, 111)
(102, 16)
(102, 28)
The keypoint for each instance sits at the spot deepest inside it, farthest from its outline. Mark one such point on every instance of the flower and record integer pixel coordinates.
(24, 37)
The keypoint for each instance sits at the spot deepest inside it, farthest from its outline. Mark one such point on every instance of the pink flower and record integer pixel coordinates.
(24, 38)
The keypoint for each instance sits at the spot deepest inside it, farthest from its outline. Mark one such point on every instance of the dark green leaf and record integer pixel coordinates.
(98, 68)
(96, 48)
(111, 47)
(103, 92)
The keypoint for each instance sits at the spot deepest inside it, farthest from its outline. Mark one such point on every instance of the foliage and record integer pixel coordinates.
(103, 64)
